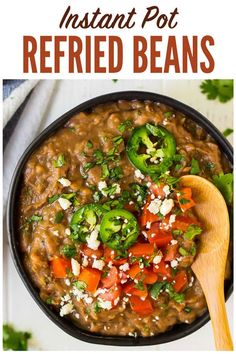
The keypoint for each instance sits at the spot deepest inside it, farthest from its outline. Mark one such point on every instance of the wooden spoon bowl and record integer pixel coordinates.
(209, 265)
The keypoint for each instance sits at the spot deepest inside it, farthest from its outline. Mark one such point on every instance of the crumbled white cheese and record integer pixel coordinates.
(106, 305)
(88, 300)
(166, 190)
(102, 185)
(174, 263)
(124, 267)
(138, 174)
(66, 298)
(77, 315)
(65, 182)
(166, 206)
(154, 206)
(75, 266)
(172, 219)
(100, 291)
(67, 282)
(64, 203)
(66, 309)
(56, 233)
(148, 184)
(98, 264)
(148, 225)
(144, 234)
(92, 240)
(173, 242)
(116, 301)
(157, 259)
(67, 231)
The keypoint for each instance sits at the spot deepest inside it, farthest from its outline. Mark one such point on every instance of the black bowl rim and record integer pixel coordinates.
(178, 331)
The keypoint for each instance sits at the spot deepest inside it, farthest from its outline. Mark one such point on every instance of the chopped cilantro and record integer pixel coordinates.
(221, 89)
(192, 231)
(35, 218)
(195, 169)
(59, 217)
(187, 309)
(117, 140)
(156, 289)
(105, 171)
(168, 114)
(179, 298)
(126, 125)
(68, 251)
(184, 201)
(53, 198)
(224, 182)
(210, 165)
(227, 132)
(177, 232)
(60, 161)
(97, 196)
(116, 173)
(48, 301)
(183, 251)
(109, 190)
(15, 340)
(99, 156)
(88, 166)
(89, 144)
(97, 308)
(139, 285)
(80, 285)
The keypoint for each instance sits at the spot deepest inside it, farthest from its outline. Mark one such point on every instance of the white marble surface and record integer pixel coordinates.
(19, 308)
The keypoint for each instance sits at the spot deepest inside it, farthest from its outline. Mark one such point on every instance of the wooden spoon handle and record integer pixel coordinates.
(219, 320)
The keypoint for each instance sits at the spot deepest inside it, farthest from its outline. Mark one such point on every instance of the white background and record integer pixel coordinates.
(202, 17)
(19, 308)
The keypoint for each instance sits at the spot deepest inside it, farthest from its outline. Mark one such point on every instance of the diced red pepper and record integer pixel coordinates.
(158, 190)
(163, 269)
(141, 250)
(110, 255)
(91, 277)
(142, 307)
(60, 267)
(185, 199)
(131, 289)
(160, 237)
(111, 278)
(112, 295)
(171, 252)
(146, 275)
(182, 222)
(180, 280)
(89, 252)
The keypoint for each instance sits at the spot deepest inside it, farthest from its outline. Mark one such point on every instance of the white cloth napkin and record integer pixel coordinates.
(32, 121)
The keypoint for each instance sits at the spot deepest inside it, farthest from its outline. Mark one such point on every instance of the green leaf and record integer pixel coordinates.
(224, 182)
(105, 171)
(179, 298)
(187, 309)
(117, 140)
(68, 251)
(195, 169)
(192, 231)
(98, 154)
(80, 285)
(59, 217)
(227, 132)
(89, 144)
(53, 198)
(35, 218)
(139, 285)
(183, 251)
(14, 340)
(168, 114)
(60, 161)
(126, 125)
(221, 89)
(97, 308)
(156, 289)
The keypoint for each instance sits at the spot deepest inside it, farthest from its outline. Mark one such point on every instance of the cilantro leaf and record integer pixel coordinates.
(227, 132)
(221, 89)
(59, 217)
(192, 231)
(68, 251)
(156, 289)
(126, 125)
(224, 182)
(80, 285)
(14, 340)
(60, 161)
(35, 218)
(195, 169)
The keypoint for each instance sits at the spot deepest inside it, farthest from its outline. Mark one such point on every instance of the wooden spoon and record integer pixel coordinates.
(209, 265)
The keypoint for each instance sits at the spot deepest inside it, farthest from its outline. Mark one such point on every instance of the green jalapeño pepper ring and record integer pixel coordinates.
(84, 221)
(151, 149)
(119, 229)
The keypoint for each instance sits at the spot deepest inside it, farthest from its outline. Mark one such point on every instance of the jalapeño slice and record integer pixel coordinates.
(151, 149)
(119, 229)
(85, 220)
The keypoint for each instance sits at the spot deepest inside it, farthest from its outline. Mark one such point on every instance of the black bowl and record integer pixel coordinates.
(179, 330)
